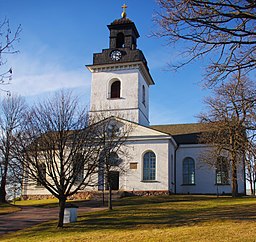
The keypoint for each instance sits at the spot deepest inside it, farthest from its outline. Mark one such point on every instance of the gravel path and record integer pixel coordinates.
(30, 216)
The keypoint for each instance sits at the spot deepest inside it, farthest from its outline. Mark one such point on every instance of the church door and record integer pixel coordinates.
(114, 180)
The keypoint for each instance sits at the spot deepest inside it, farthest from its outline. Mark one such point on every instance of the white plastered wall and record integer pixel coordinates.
(133, 179)
(128, 106)
(205, 176)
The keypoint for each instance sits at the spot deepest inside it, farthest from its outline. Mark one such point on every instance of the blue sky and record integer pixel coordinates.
(59, 38)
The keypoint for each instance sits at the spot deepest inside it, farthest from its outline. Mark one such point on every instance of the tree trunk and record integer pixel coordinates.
(3, 190)
(103, 198)
(3, 182)
(62, 204)
(250, 179)
(234, 179)
(110, 197)
(251, 187)
(254, 187)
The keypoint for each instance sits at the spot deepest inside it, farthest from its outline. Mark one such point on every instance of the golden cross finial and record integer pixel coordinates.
(124, 7)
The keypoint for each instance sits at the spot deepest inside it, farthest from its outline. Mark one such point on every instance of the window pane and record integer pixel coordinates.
(143, 95)
(149, 166)
(41, 174)
(78, 168)
(188, 171)
(114, 159)
(222, 170)
(115, 89)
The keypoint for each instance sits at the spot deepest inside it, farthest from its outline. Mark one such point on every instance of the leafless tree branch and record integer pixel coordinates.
(221, 30)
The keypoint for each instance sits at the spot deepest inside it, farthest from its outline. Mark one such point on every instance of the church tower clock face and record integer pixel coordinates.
(116, 55)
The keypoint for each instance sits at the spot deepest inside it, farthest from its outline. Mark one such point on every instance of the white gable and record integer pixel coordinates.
(139, 132)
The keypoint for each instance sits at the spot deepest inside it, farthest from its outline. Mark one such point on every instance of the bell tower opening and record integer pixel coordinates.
(120, 40)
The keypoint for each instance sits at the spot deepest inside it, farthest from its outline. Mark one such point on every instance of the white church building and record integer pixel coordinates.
(163, 159)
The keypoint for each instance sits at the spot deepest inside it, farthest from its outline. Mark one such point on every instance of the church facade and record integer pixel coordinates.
(162, 158)
(165, 157)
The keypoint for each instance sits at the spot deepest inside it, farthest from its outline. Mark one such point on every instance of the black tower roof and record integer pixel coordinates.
(122, 42)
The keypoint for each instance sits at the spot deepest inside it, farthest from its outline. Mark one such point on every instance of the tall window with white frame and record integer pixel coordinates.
(78, 168)
(188, 171)
(149, 166)
(222, 177)
(41, 174)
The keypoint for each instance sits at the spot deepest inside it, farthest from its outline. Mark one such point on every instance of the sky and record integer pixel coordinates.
(59, 38)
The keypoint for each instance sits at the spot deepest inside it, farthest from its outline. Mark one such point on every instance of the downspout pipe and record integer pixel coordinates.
(244, 174)
(175, 168)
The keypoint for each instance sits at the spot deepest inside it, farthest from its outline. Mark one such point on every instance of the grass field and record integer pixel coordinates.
(38, 203)
(166, 218)
(8, 208)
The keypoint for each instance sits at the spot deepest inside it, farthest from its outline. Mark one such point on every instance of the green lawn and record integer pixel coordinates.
(8, 208)
(38, 203)
(53, 202)
(168, 218)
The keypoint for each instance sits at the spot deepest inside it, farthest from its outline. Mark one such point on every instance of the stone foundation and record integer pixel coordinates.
(36, 197)
(98, 195)
(146, 193)
(78, 196)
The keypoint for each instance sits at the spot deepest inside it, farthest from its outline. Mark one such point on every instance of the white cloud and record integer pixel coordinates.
(160, 114)
(34, 76)
(163, 57)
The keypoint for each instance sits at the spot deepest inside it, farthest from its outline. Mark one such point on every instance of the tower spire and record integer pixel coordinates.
(124, 7)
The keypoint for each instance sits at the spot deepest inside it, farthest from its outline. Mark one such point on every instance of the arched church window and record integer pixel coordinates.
(41, 174)
(143, 95)
(113, 159)
(188, 171)
(101, 172)
(149, 166)
(115, 89)
(120, 40)
(78, 167)
(112, 130)
(222, 176)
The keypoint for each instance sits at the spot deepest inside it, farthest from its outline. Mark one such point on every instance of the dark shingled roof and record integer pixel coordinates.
(183, 133)
(122, 21)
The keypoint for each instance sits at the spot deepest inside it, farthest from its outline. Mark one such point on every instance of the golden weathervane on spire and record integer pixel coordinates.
(124, 7)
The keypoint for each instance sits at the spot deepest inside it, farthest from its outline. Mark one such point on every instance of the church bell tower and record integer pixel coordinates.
(120, 76)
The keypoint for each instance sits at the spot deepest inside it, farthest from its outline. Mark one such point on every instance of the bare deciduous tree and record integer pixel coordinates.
(7, 40)
(251, 167)
(230, 117)
(12, 113)
(58, 149)
(222, 30)
(111, 163)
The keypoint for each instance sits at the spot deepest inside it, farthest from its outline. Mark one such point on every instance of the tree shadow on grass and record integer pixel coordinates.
(158, 217)
(164, 214)
(139, 200)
